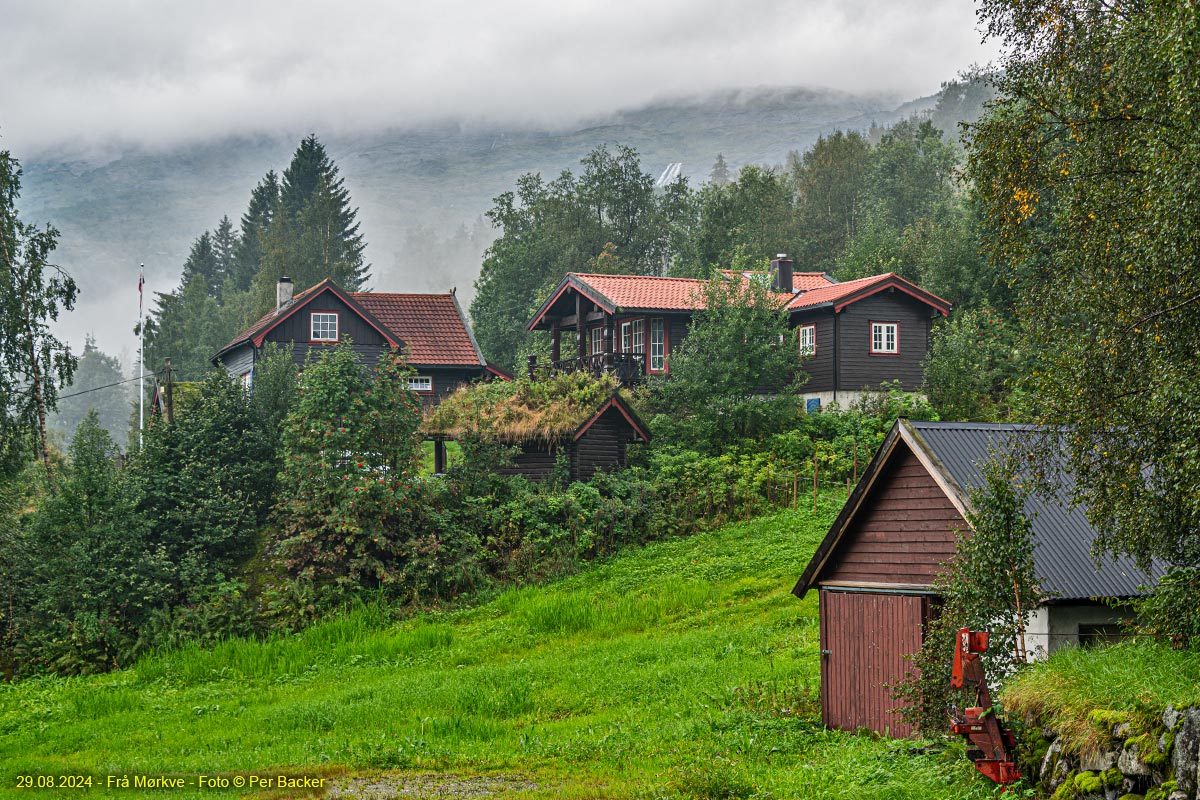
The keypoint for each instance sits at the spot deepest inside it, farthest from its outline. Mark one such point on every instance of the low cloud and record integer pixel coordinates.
(159, 74)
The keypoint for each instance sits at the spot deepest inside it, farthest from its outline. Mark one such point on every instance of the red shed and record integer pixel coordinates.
(876, 567)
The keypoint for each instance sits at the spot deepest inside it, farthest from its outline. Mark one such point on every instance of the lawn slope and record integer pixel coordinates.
(682, 669)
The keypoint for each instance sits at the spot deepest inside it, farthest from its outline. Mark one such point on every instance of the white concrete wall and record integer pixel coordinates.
(1055, 626)
(845, 398)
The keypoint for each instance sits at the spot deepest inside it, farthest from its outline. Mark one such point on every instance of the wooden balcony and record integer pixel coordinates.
(629, 368)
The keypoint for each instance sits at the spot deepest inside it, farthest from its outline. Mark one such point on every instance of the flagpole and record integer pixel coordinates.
(141, 359)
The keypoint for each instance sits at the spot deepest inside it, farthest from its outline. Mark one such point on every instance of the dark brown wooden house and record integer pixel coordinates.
(875, 569)
(430, 328)
(854, 336)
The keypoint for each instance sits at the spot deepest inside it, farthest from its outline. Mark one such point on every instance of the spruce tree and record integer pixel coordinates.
(201, 265)
(315, 233)
(225, 243)
(248, 251)
(719, 176)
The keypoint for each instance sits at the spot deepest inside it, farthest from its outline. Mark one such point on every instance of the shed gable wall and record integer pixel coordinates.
(602, 447)
(904, 530)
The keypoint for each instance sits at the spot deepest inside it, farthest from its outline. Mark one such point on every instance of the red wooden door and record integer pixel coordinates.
(864, 638)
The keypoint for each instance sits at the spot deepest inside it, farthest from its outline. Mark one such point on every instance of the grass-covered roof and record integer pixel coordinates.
(519, 410)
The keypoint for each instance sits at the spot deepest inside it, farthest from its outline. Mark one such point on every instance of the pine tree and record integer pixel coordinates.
(96, 388)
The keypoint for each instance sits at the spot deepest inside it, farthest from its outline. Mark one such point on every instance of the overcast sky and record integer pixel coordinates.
(158, 73)
(86, 77)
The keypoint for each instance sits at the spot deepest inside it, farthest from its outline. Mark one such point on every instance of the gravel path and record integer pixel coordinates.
(442, 787)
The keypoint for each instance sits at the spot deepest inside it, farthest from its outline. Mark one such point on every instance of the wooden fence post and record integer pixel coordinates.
(815, 468)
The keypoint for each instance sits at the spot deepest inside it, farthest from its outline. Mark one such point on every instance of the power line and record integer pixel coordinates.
(96, 388)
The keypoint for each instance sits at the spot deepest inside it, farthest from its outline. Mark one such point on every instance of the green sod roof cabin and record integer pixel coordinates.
(583, 419)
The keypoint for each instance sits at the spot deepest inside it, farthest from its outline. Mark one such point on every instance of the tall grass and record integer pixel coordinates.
(1131, 680)
(685, 669)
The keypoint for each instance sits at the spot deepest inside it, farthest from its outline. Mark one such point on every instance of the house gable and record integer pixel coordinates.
(296, 324)
(906, 530)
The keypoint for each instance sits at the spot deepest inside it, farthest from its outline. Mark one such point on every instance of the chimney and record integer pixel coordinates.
(283, 292)
(781, 271)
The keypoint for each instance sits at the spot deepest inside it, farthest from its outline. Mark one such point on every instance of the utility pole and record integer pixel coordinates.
(170, 396)
(141, 359)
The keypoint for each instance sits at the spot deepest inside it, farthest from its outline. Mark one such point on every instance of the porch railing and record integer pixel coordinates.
(627, 367)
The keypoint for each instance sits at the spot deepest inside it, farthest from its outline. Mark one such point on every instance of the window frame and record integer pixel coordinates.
(811, 350)
(883, 325)
(412, 388)
(596, 340)
(633, 336)
(312, 319)
(665, 344)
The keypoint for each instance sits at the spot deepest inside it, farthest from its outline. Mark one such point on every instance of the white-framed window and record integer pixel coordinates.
(885, 338)
(658, 345)
(324, 326)
(597, 335)
(247, 378)
(807, 337)
(420, 383)
(632, 340)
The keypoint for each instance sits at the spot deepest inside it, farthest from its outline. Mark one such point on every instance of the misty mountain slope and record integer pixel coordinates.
(135, 205)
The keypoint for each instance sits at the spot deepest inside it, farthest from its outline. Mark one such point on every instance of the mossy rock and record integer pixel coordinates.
(1161, 792)
(1147, 749)
(1066, 791)
(1088, 782)
(1112, 778)
(1106, 719)
(1132, 796)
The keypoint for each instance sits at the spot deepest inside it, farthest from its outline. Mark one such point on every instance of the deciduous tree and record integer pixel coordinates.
(34, 363)
(1086, 170)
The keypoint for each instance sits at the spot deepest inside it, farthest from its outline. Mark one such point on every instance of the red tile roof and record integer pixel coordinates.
(643, 291)
(648, 293)
(841, 294)
(430, 325)
(801, 281)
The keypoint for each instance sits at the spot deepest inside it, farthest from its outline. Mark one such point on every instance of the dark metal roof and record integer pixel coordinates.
(1062, 535)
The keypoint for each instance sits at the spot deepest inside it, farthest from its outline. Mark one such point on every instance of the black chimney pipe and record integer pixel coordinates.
(781, 272)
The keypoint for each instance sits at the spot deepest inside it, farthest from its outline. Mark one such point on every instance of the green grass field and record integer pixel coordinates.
(682, 669)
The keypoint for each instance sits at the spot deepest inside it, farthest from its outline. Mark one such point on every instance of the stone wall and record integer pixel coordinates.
(1162, 763)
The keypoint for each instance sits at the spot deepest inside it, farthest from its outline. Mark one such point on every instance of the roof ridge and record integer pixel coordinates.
(641, 277)
(401, 294)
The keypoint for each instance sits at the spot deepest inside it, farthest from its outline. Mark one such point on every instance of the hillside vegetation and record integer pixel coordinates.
(682, 669)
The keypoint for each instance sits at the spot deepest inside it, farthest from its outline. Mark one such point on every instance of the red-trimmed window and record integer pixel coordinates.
(885, 338)
(658, 345)
(806, 336)
(597, 335)
(324, 326)
(421, 384)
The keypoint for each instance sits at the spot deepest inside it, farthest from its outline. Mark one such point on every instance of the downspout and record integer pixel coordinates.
(837, 338)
